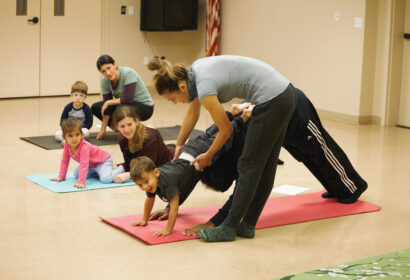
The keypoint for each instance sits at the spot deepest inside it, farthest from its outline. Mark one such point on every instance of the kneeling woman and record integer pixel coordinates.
(135, 139)
(120, 86)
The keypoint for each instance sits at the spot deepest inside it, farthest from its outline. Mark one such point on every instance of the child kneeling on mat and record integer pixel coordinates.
(93, 160)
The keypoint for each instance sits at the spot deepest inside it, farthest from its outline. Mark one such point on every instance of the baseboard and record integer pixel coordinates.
(334, 116)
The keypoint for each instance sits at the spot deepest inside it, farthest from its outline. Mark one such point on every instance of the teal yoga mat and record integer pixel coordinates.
(67, 185)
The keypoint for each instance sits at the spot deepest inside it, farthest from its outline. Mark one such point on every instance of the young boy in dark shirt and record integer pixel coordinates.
(77, 109)
(174, 181)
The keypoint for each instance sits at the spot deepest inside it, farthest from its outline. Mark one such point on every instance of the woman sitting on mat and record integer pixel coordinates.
(120, 85)
(135, 139)
(93, 160)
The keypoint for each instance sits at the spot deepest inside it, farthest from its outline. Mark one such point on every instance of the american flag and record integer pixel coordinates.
(212, 28)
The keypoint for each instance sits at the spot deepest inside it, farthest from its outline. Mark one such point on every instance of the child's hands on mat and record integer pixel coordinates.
(163, 232)
(57, 179)
(192, 230)
(159, 215)
(141, 223)
(79, 186)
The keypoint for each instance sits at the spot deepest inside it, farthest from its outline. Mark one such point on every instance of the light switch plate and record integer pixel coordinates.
(358, 22)
(130, 10)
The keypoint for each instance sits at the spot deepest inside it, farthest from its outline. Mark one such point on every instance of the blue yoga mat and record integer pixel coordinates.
(68, 185)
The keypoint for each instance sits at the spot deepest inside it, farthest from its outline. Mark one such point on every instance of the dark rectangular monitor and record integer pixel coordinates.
(169, 15)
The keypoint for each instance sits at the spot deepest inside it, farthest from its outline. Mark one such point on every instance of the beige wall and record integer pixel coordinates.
(301, 39)
(348, 72)
(123, 39)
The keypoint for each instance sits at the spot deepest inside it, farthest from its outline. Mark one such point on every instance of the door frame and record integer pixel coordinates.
(395, 63)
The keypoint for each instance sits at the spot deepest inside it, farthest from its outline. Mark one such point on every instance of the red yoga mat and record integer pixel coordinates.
(278, 211)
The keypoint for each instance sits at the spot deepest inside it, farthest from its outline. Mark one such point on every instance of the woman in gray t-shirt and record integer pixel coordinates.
(214, 80)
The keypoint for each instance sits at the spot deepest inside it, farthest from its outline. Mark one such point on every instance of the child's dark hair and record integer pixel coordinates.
(79, 86)
(69, 125)
(140, 134)
(139, 165)
(104, 59)
(168, 75)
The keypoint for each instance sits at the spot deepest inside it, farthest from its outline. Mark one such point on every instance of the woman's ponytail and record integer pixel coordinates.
(168, 76)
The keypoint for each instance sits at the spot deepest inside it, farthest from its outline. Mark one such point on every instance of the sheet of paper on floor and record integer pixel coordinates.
(289, 189)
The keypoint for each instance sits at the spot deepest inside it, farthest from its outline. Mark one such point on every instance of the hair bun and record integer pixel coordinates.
(155, 64)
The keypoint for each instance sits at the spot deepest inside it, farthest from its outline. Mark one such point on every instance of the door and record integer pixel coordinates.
(46, 58)
(70, 45)
(404, 111)
(19, 48)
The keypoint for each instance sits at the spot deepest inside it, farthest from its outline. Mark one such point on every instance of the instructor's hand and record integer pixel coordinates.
(178, 151)
(203, 161)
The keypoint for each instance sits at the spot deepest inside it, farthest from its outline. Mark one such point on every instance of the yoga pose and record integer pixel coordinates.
(308, 142)
(214, 80)
(93, 160)
(120, 85)
(77, 109)
(174, 181)
(135, 140)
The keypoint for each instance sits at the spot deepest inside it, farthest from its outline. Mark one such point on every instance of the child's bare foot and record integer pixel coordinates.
(247, 112)
(192, 230)
(237, 108)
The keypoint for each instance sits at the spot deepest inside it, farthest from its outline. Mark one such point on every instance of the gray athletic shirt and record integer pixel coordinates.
(128, 76)
(230, 76)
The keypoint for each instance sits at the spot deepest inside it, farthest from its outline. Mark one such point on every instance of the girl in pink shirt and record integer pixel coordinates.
(93, 160)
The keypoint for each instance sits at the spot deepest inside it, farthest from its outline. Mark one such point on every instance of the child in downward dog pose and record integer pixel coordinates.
(174, 181)
(93, 160)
